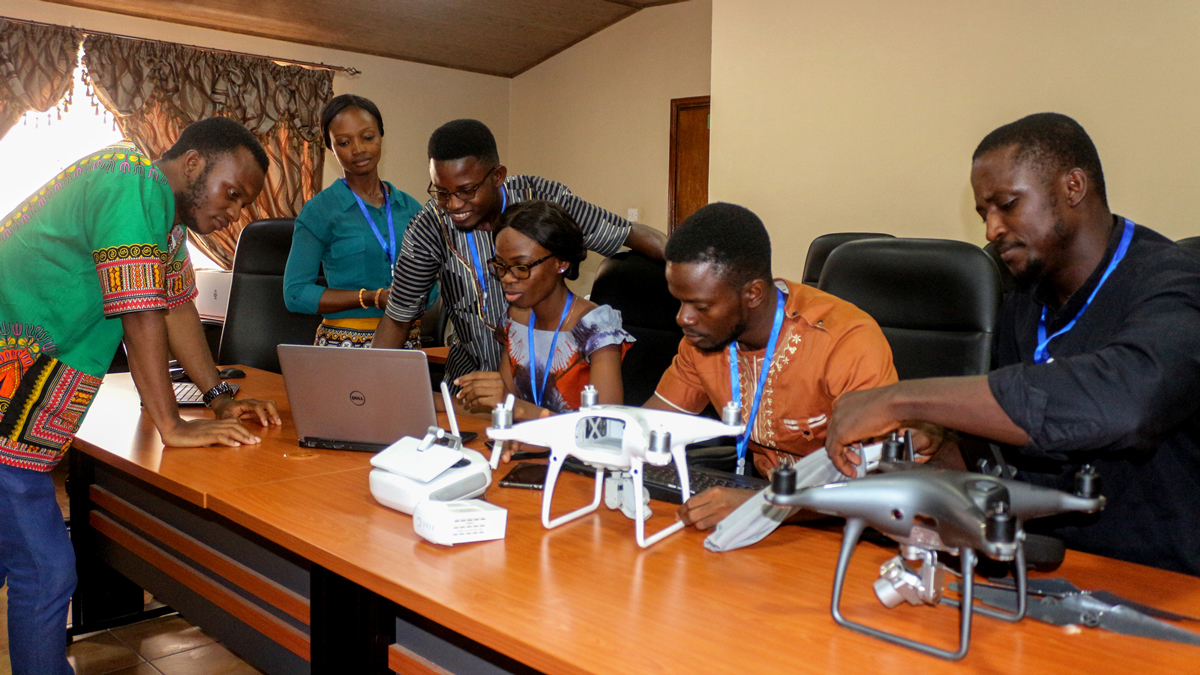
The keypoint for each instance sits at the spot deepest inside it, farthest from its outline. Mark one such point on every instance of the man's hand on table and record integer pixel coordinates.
(228, 408)
(513, 447)
(705, 510)
(481, 390)
(195, 433)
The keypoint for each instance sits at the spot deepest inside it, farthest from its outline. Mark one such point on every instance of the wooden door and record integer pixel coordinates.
(688, 189)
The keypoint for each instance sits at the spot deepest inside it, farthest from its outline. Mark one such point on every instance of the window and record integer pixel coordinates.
(40, 145)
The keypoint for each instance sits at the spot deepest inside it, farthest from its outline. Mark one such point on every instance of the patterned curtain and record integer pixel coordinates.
(155, 89)
(36, 67)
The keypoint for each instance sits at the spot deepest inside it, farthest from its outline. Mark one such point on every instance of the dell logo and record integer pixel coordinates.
(357, 398)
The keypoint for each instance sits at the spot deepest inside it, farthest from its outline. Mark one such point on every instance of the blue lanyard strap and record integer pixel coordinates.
(483, 279)
(1040, 354)
(538, 392)
(480, 273)
(743, 439)
(389, 247)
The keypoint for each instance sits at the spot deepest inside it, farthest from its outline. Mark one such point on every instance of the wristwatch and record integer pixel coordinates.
(212, 394)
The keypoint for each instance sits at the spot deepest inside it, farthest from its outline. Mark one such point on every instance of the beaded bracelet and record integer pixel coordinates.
(377, 292)
(360, 300)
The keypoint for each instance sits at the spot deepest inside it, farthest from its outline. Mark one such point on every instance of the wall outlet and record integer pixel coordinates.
(632, 215)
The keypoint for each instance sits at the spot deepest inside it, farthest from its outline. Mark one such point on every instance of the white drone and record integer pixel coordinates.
(614, 437)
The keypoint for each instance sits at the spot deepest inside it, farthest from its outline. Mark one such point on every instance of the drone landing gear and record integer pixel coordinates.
(628, 487)
(556, 464)
(854, 530)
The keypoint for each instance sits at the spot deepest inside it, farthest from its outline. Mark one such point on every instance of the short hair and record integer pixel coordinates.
(218, 136)
(550, 226)
(728, 236)
(339, 103)
(1055, 142)
(463, 138)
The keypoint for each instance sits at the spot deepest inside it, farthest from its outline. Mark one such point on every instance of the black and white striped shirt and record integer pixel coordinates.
(434, 249)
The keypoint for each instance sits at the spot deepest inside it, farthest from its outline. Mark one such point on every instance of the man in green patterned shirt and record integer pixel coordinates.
(97, 254)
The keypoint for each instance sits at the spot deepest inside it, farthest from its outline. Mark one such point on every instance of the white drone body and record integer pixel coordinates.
(616, 437)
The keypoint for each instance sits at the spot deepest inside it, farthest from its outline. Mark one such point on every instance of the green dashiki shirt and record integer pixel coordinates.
(94, 243)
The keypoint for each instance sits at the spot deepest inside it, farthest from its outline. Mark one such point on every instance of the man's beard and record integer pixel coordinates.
(736, 333)
(1035, 268)
(1030, 276)
(187, 199)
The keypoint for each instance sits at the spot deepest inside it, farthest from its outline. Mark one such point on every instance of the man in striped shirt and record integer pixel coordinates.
(451, 239)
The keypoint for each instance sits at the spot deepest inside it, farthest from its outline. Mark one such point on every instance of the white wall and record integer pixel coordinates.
(597, 116)
(863, 114)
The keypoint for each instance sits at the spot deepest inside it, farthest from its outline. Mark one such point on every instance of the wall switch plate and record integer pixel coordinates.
(632, 215)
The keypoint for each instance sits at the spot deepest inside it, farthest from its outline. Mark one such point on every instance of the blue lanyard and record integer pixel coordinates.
(1039, 354)
(538, 392)
(478, 262)
(483, 280)
(387, 200)
(743, 440)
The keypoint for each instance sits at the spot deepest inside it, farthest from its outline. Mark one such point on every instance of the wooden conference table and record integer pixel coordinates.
(284, 555)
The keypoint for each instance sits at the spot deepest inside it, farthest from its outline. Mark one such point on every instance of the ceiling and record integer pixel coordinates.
(497, 37)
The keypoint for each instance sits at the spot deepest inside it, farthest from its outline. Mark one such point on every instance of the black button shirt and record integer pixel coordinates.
(1122, 393)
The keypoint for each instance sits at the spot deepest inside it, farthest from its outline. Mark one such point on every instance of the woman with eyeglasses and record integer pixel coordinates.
(352, 231)
(556, 342)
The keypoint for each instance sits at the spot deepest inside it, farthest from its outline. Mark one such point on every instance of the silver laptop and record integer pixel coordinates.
(357, 399)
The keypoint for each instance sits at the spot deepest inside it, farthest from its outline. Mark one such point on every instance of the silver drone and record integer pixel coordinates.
(927, 510)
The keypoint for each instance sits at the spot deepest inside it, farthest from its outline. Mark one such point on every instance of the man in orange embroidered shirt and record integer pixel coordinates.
(719, 267)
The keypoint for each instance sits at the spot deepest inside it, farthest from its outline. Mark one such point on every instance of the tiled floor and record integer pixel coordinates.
(167, 645)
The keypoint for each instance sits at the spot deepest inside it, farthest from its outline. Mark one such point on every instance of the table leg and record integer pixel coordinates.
(352, 627)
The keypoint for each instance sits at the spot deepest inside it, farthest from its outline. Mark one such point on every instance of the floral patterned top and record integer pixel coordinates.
(570, 370)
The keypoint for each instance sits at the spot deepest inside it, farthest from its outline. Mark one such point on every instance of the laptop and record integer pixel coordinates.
(357, 399)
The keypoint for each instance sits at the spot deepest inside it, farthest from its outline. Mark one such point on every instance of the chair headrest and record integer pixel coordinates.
(637, 286)
(926, 284)
(263, 246)
(1189, 242)
(822, 246)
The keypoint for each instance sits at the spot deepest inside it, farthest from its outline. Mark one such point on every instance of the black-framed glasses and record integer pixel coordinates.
(464, 194)
(519, 271)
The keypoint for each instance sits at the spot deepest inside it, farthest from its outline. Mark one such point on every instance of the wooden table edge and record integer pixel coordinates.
(460, 623)
(138, 471)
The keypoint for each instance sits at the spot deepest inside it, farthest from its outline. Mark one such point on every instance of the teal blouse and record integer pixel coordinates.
(332, 233)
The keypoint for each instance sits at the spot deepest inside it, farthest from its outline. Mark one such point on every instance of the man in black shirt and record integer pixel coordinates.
(1097, 355)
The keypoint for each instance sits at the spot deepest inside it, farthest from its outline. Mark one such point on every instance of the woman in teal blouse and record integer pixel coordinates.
(352, 229)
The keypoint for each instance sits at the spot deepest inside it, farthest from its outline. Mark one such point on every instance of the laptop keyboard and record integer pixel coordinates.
(187, 393)
(662, 482)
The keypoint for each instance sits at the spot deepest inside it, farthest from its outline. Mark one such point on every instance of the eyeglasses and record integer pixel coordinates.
(520, 271)
(464, 194)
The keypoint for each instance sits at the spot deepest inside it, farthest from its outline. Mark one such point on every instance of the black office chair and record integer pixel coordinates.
(257, 320)
(1007, 281)
(935, 299)
(822, 246)
(637, 286)
(1189, 242)
(433, 325)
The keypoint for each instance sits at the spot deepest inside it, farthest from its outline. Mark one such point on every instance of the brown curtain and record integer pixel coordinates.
(36, 67)
(155, 89)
